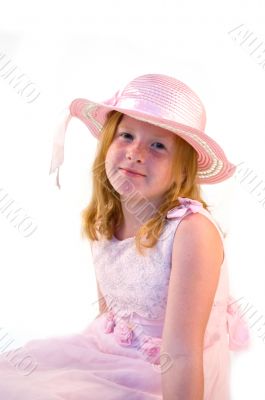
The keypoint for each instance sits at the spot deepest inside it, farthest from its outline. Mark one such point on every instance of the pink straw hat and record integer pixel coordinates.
(162, 101)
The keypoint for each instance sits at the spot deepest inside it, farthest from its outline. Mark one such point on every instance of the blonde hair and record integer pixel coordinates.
(104, 213)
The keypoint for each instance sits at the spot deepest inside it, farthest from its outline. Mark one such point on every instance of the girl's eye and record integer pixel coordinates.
(128, 134)
(163, 147)
(125, 133)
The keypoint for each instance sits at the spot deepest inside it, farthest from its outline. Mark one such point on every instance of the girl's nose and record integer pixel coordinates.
(136, 153)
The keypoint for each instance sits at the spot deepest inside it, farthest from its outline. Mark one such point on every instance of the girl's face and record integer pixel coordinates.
(144, 148)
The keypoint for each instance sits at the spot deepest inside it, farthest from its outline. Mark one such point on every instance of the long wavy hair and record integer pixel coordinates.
(103, 215)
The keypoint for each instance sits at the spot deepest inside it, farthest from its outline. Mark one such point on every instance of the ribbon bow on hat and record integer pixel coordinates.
(58, 143)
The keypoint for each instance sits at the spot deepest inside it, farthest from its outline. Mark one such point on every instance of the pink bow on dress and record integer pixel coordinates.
(185, 204)
(239, 336)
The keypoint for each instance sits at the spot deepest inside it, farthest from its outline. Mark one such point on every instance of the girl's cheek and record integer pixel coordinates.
(112, 148)
(120, 144)
(118, 147)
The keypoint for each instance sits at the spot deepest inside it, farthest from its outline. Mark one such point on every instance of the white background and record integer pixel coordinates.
(91, 49)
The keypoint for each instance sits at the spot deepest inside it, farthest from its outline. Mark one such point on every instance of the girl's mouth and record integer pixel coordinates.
(130, 173)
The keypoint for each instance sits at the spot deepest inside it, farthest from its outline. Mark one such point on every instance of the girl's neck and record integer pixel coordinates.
(122, 234)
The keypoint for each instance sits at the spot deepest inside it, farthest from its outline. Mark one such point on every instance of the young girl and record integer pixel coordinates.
(166, 322)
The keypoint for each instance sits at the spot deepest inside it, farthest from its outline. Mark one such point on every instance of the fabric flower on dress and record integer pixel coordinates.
(185, 204)
(151, 348)
(239, 336)
(110, 323)
(123, 332)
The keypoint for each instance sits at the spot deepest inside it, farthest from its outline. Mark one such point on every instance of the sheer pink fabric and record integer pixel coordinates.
(117, 356)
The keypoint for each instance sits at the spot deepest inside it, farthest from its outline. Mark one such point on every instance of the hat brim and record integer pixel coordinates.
(213, 165)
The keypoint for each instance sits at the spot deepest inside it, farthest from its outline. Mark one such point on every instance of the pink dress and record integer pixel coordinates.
(117, 356)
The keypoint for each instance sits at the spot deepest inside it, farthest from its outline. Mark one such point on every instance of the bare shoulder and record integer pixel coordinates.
(197, 256)
(198, 246)
(198, 225)
(198, 230)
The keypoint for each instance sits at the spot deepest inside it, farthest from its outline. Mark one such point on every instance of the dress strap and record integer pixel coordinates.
(188, 206)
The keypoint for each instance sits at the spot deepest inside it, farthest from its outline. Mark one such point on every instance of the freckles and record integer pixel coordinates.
(158, 155)
(120, 145)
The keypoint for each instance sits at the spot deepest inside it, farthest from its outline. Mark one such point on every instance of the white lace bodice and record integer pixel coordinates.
(132, 283)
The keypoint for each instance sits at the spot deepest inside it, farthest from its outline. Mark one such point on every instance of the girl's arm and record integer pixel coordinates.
(196, 259)
(101, 302)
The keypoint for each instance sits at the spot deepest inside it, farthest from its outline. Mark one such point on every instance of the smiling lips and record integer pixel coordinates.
(131, 172)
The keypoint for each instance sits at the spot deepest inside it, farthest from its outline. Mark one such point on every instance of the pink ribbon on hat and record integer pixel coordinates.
(58, 143)
(114, 99)
(185, 204)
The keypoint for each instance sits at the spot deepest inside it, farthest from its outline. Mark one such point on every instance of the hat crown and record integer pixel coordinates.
(164, 96)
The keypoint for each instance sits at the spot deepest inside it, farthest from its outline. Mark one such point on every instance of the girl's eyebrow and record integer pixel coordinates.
(125, 127)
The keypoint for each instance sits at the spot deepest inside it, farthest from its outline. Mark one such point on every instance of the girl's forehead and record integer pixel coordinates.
(135, 124)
